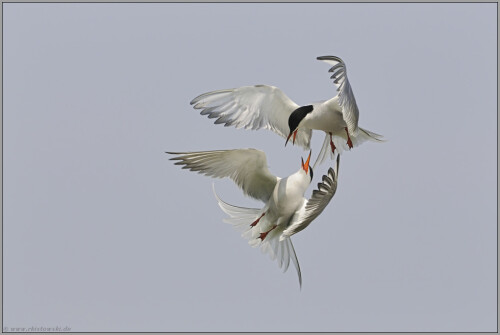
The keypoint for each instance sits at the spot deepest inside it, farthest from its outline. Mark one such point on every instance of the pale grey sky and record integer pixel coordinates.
(103, 233)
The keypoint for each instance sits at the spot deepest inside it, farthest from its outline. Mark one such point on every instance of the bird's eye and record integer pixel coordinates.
(310, 168)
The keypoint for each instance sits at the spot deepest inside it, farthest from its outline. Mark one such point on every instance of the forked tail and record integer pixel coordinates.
(247, 220)
(340, 142)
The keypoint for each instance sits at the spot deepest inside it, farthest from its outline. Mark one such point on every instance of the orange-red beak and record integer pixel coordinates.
(294, 135)
(306, 165)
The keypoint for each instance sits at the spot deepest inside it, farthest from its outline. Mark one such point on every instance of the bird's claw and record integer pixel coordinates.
(349, 142)
(332, 145)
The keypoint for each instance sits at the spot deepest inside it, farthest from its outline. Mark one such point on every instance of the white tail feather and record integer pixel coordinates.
(324, 152)
(242, 218)
(340, 142)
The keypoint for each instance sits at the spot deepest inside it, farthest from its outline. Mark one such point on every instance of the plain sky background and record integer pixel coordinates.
(103, 233)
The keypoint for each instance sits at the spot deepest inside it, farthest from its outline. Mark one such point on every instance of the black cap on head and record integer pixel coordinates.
(297, 116)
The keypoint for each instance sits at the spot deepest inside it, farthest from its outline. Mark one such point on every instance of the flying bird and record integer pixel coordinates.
(263, 106)
(285, 210)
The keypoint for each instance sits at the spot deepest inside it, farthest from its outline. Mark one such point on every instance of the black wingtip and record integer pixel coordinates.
(338, 59)
(337, 167)
(324, 57)
(195, 99)
(177, 158)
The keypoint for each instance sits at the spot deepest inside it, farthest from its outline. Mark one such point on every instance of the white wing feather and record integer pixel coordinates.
(246, 167)
(252, 107)
(346, 99)
(316, 204)
(281, 250)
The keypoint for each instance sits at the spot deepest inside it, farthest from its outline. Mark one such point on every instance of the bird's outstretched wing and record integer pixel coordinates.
(346, 98)
(316, 204)
(252, 107)
(246, 167)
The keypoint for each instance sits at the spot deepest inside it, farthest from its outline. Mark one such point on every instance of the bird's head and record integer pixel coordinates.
(295, 119)
(305, 166)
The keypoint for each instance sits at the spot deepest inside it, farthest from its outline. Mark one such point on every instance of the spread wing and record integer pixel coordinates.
(346, 98)
(252, 107)
(246, 167)
(316, 204)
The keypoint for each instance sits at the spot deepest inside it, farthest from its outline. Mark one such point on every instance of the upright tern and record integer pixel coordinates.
(285, 212)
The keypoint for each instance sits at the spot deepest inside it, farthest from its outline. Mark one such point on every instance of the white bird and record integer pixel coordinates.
(263, 106)
(285, 212)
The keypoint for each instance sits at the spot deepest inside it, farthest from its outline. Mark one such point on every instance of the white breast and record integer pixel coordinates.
(288, 196)
(325, 116)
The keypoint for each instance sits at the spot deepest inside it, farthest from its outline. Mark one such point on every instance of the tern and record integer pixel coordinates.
(285, 212)
(264, 106)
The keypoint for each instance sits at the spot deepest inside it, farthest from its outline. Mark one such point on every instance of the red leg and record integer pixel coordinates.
(263, 235)
(332, 145)
(257, 221)
(349, 142)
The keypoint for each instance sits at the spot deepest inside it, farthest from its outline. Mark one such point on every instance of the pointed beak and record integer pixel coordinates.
(288, 138)
(294, 133)
(306, 165)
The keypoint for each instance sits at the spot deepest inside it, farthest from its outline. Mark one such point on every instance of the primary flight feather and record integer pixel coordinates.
(285, 210)
(267, 107)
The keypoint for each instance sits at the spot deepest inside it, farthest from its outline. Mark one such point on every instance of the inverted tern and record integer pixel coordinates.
(264, 106)
(285, 212)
